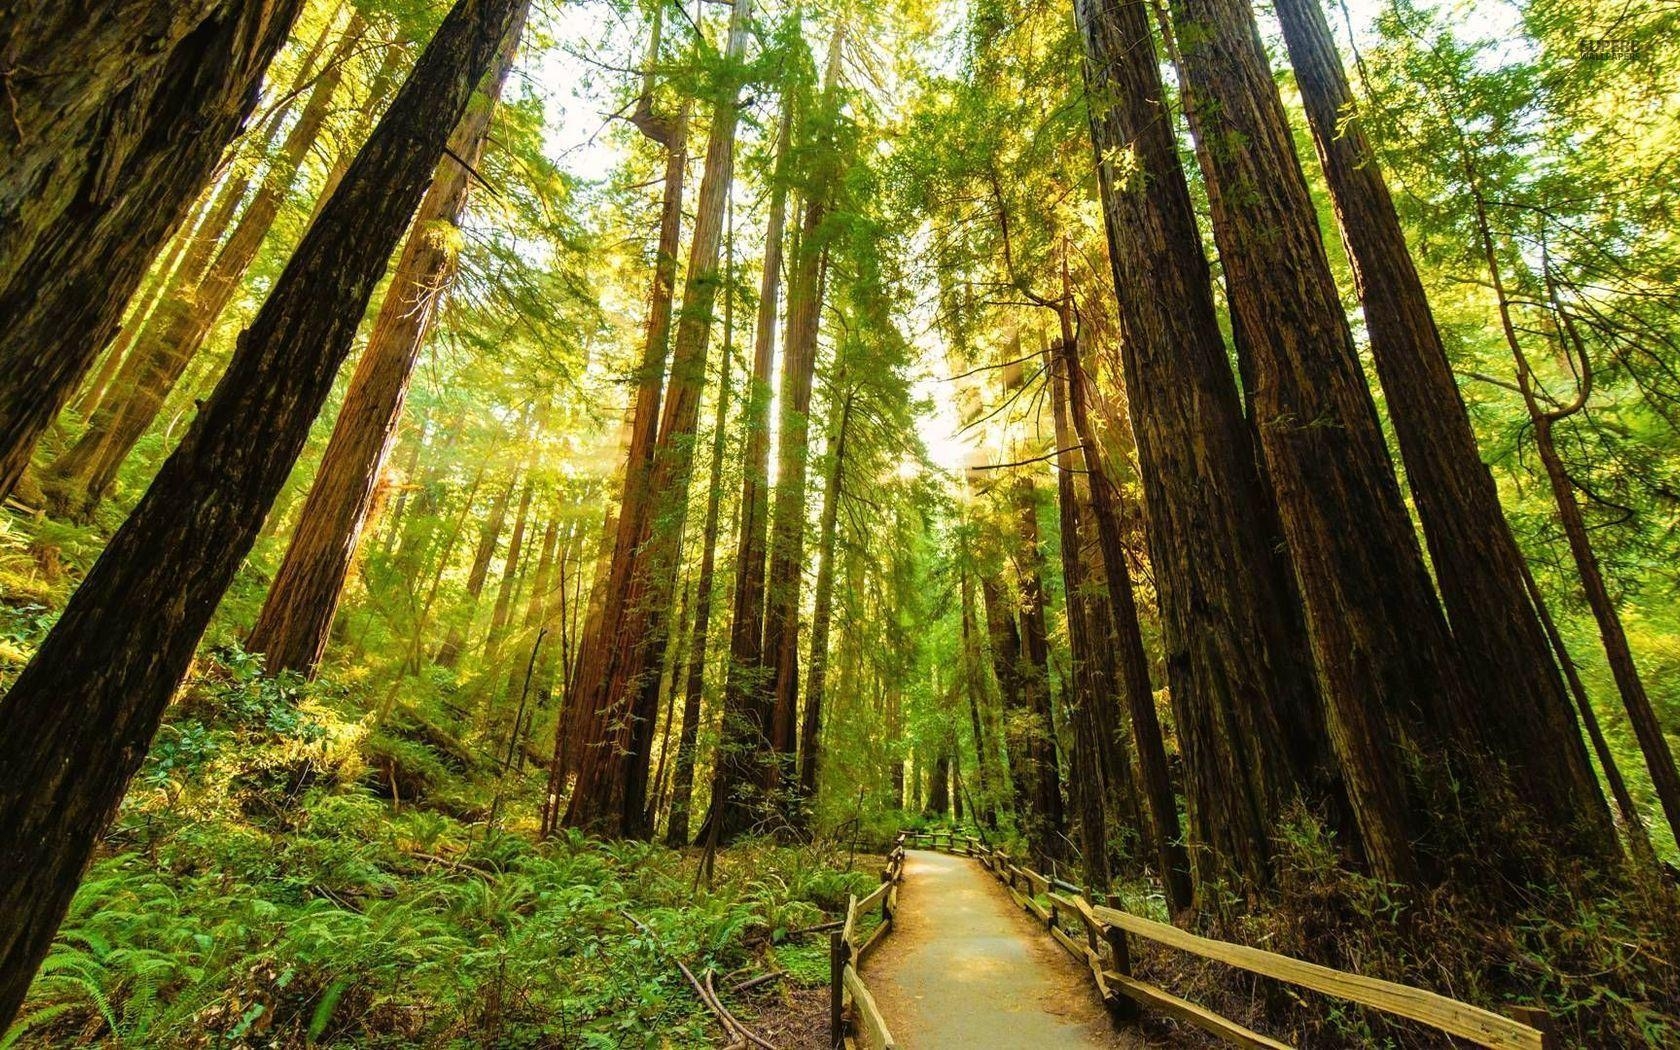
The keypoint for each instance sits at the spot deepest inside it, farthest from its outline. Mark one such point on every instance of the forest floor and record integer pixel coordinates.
(965, 968)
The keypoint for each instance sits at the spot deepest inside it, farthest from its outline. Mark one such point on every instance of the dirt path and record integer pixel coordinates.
(967, 969)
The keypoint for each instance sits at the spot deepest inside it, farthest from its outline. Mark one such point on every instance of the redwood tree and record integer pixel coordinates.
(81, 715)
(121, 111)
(618, 712)
(1245, 707)
(1478, 567)
(296, 617)
(78, 480)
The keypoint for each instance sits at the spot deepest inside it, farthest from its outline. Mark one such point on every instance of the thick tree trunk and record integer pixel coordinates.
(297, 615)
(622, 537)
(83, 712)
(1525, 715)
(617, 733)
(81, 478)
(939, 786)
(1388, 670)
(1247, 718)
(822, 614)
(121, 112)
(737, 770)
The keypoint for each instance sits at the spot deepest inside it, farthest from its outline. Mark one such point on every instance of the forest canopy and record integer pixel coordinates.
(503, 495)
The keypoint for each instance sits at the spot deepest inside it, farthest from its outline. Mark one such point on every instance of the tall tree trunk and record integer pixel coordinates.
(799, 366)
(1131, 659)
(974, 685)
(1639, 840)
(810, 734)
(82, 714)
(612, 766)
(694, 686)
(1478, 567)
(939, 786)
(1244, 705)
(80, 479)
(746, 718)
(622, 534)
(121, 112)
(1049, 823)
(297, 615)
(1092, 778)
(1388, 670)
(1653, 745)
(1004, 639)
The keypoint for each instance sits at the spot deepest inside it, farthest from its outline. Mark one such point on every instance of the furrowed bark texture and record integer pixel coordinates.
(296, 617)
(1247, 715)
(624, 534)
(83, 712)
(1387, 668)
(171, 340)
(1478, 568)
(119, 113)
(799, 368)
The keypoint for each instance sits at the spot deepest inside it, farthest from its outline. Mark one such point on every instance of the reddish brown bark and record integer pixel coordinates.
(296, 617)
(1245, 709)
(172, 338)
(120, 113)
(618, 715)
(799, 367)
(737, 770)
(1524, 714)
(83, 712)
(1388, 670)
(1131, 659)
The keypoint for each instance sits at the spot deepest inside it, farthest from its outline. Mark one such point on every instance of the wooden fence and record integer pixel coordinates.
(853, 1017)
(1097, 935)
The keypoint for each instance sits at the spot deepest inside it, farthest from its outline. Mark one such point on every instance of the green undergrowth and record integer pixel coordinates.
(261, 888)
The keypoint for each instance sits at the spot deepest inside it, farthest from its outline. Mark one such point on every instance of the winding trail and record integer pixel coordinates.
(966, 969)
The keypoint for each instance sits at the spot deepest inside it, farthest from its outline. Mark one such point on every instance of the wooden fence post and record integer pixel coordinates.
(836, 990)
(1124, 1008)
(1538, 1018)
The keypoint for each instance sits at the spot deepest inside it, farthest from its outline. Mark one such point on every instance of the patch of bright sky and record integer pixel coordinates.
(583, 46)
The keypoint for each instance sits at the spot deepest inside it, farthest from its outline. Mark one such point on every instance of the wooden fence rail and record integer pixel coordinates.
(1099, 939)
(853, 1017)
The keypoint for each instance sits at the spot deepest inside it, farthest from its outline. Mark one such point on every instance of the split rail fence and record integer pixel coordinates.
(853, 1017)
(1098, 936)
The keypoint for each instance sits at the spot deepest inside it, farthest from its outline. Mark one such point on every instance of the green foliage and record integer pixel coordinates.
(238, 906)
